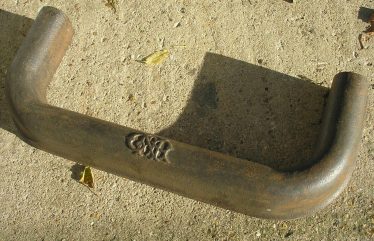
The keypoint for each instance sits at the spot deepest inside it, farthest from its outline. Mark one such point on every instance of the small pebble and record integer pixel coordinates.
(130, 97)
(279, 45)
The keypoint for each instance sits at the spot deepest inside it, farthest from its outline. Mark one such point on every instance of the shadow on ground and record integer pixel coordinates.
(13, 30)
(365, 13)
(251, 112)
(76, 171)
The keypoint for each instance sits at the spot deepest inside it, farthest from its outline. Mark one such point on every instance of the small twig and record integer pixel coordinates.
(90, 189)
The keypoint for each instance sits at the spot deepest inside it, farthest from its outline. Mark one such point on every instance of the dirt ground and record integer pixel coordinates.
(244, 77)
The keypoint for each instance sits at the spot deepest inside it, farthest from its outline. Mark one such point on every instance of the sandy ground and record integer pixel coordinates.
(202, 94)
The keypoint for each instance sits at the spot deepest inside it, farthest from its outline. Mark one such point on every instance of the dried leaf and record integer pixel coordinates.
(87, 177)
(368, 33)
(370, 29)
(156, 58)
(361, 40)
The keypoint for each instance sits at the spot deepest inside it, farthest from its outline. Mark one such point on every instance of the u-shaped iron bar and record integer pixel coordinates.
(197, 173)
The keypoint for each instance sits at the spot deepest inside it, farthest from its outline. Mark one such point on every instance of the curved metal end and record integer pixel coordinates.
(36, 62)
(40, 55)
(191, 171)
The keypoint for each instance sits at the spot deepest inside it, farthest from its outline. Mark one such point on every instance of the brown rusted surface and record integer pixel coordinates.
(204, 175)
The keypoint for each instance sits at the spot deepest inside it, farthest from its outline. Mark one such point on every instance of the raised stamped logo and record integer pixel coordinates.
(149, 146)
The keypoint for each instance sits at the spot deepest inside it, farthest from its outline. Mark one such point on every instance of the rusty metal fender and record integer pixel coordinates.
(197, 173)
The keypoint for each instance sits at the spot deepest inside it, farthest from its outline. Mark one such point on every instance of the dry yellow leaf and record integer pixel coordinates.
(156, 58)
(87, 177)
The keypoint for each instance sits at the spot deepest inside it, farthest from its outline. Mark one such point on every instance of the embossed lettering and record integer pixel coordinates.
(150, 146)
